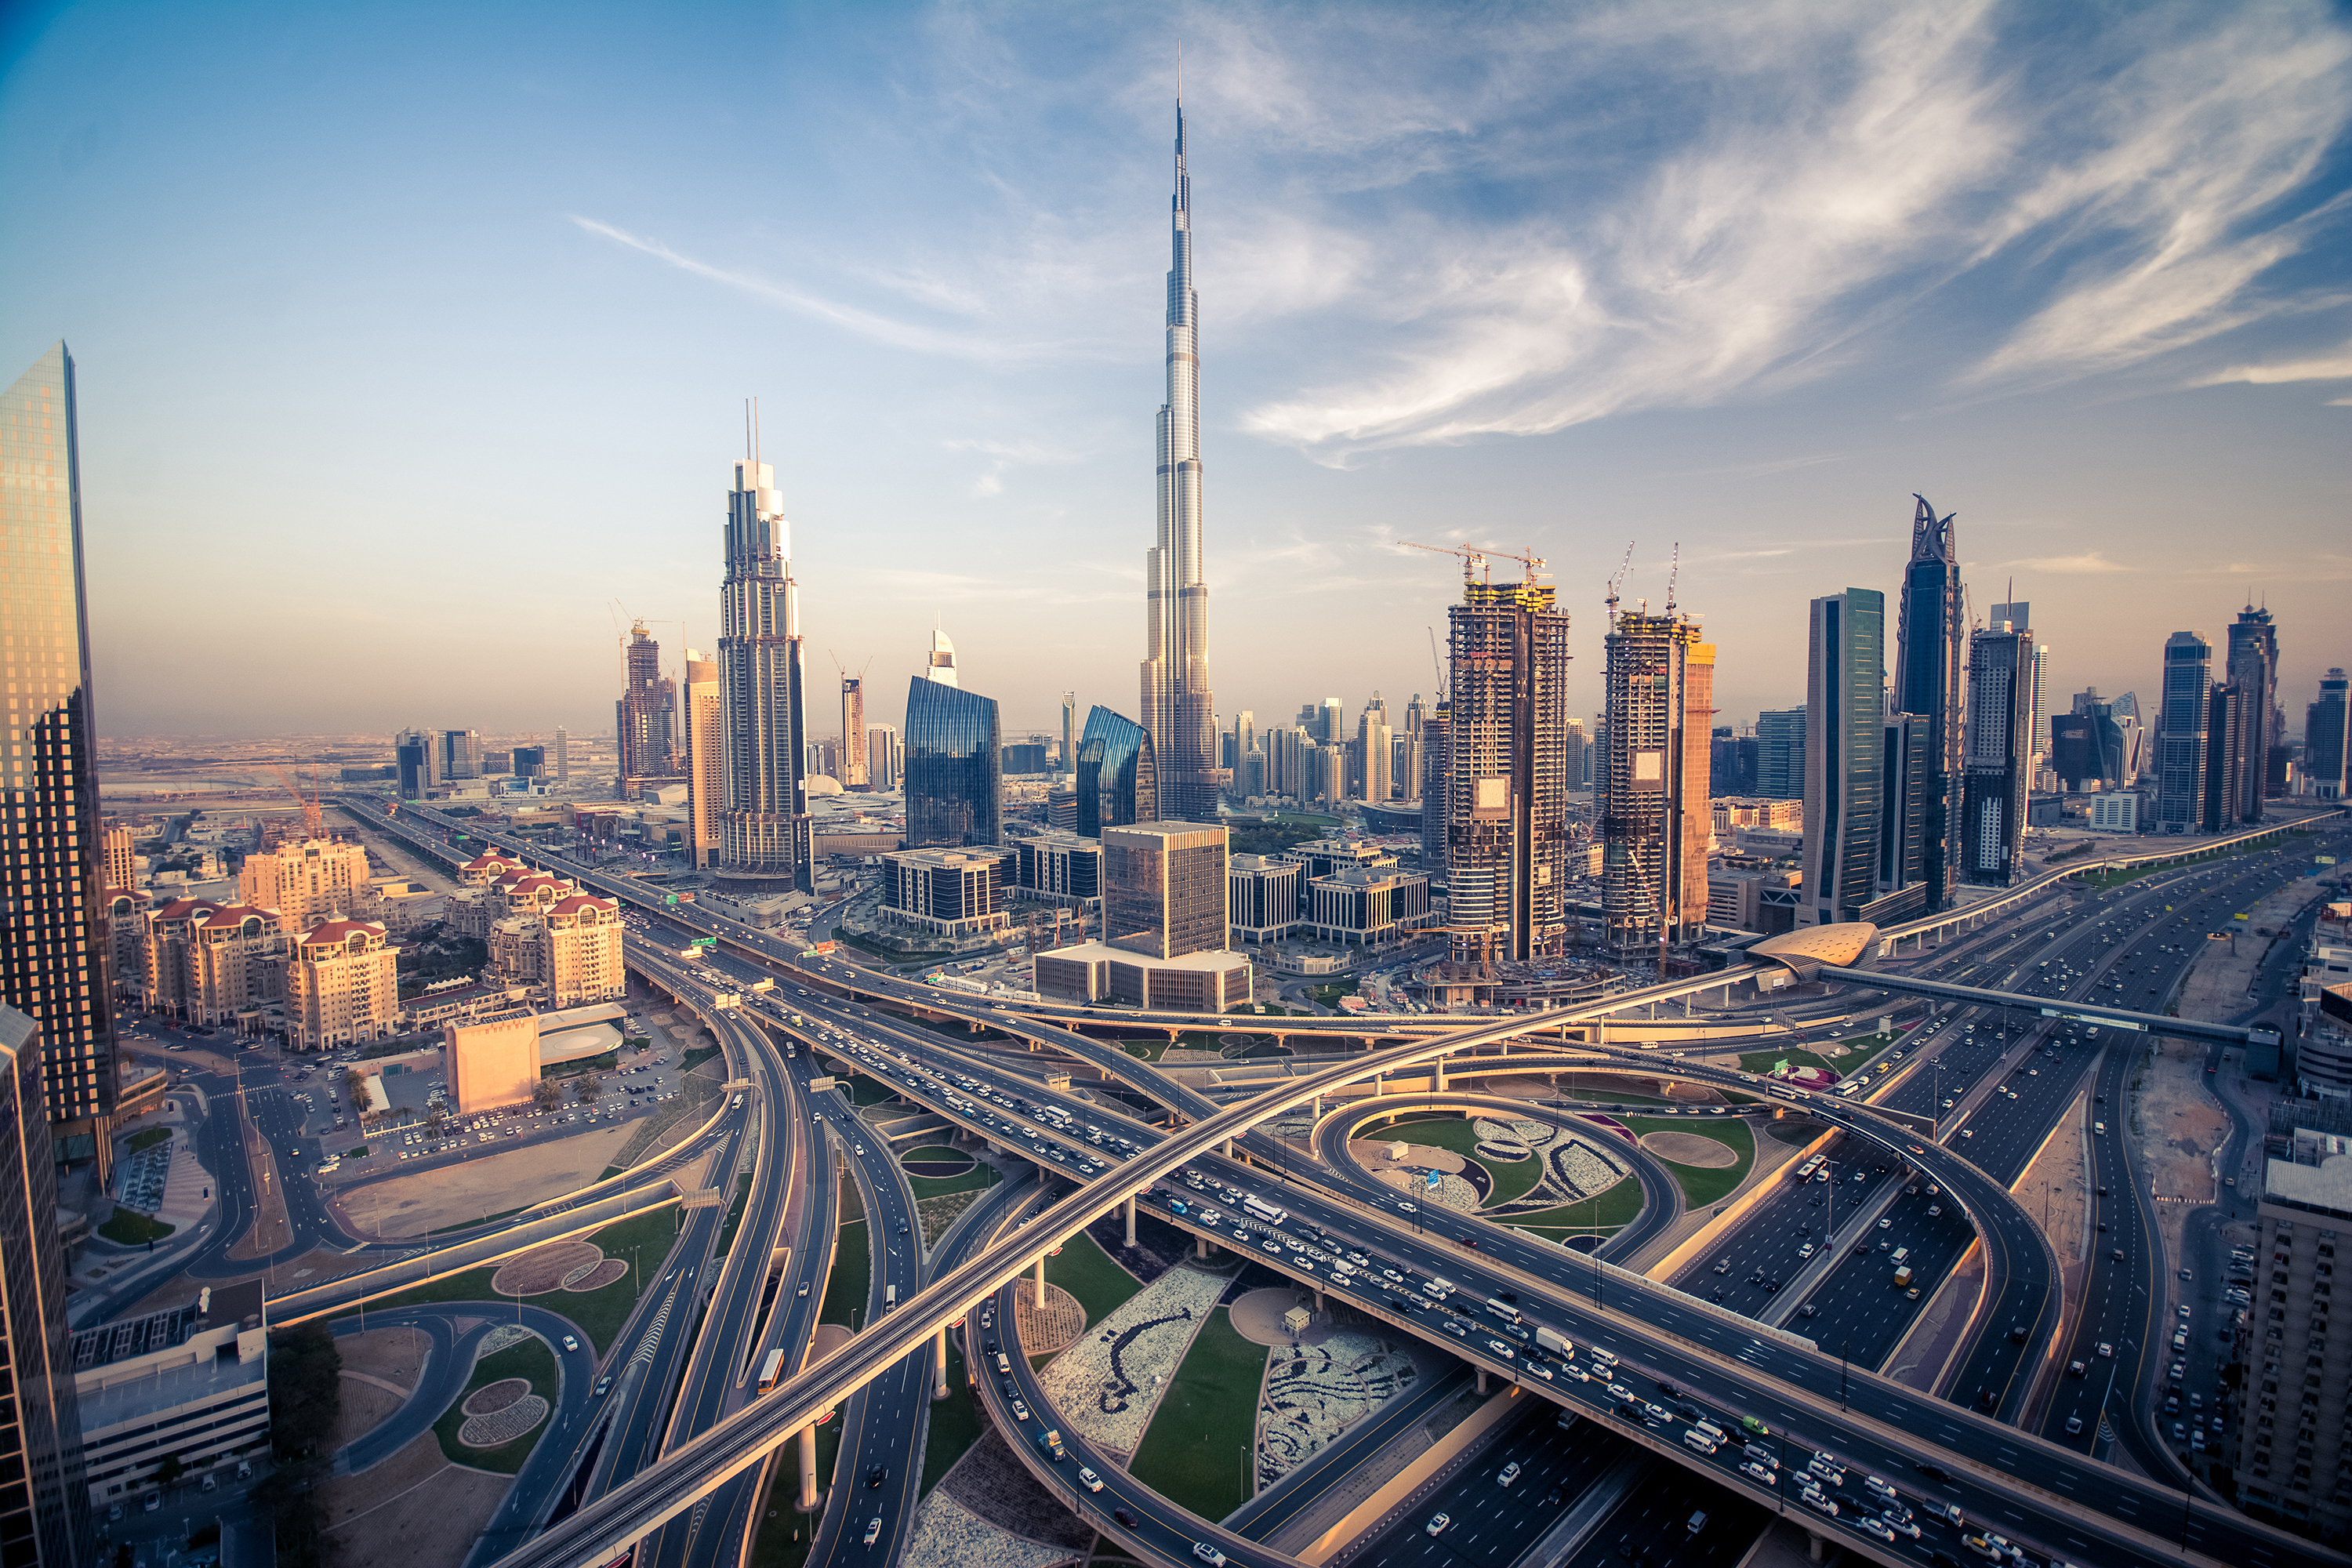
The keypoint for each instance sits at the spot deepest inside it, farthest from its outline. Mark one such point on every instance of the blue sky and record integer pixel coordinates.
(411, 339)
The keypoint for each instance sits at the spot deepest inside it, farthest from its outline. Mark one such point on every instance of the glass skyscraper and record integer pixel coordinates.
(955, 769)
(52, 941)
(44, 1499)
(765, 832)
(1117, 780)
(1928, 666)
(2180, 741)
(1844, 755)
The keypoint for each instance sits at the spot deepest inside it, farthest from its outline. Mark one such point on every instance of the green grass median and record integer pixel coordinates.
(1197, 1452)
(1703, 1185)
(535, 1363)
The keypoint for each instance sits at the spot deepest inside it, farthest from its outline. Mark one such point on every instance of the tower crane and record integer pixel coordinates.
(312, 817)
(1475, 559)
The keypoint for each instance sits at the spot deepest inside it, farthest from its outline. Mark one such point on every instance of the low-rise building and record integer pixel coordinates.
(402, 903)
(342, 986)
(2120, 812)
(1367, 907)
(1741, 811)
(189, 1385)
(492, 1060)
(1263, 893)
(1193, 981)
(949, 892)
(460, 1001)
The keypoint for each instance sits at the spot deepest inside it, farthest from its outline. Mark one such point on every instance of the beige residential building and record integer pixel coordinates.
(483, 869)
(706, 758)
(342, 987)
(118, 865)
(478, 910)
(307, 882)
(567, 953)
(210, 962)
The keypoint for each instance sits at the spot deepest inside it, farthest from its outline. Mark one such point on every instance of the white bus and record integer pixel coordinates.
(1265, 1210)
(772, 1372)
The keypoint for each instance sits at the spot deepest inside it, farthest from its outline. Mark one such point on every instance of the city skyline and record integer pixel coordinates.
(2130, 388)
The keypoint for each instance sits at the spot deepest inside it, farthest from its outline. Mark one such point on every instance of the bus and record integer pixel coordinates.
(1786, 1092)
(889, 1297)
(1265, 1210)
(1502, 1308)
(772, 1372)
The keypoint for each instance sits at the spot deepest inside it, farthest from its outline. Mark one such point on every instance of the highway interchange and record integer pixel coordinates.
(787, 1220)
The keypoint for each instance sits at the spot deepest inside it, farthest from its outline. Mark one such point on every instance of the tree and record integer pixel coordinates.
(434, 1119)
(169, 1470)
(306, 1374)
(354, 1086)
(545, 1094)
(589, 1087)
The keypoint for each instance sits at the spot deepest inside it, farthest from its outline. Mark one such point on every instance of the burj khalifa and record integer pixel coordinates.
(1178, 711)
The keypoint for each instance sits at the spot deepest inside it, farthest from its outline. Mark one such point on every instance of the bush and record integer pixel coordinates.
(305, 1388)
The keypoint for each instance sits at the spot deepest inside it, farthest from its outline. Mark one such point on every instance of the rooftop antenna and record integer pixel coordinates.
(747, 429)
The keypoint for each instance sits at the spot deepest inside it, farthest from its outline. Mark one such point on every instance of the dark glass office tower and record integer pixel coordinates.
(1927, 663)
(1117, 780)
(955, 770)
(44, 1499)
(2257, 754)
(2000, 751)
(1845, 706)
(2324, 733)
(2181, 740)
(52, 943)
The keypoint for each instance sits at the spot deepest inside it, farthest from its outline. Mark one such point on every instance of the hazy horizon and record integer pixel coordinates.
(411, 347)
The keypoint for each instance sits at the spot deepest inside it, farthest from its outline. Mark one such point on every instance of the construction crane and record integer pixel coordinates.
(313, 819)
(1617, 579)
(1436, 663)
(1474, 560)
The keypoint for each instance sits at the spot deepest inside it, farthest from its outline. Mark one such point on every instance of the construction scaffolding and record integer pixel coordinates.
(1651, 788)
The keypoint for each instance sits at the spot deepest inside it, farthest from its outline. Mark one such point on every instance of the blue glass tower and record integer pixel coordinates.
(955, 770)
(1118, 782)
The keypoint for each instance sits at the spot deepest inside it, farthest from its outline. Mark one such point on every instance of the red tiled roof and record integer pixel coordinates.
(328, 933)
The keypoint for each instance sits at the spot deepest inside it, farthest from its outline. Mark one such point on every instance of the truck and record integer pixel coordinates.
(1903, 1276)
(765, 983)
(889, 1297)
(1049, 1442)
(1560, 1345)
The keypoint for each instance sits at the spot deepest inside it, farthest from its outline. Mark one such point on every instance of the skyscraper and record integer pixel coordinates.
(1069, 731)
(885, 756)
(1846, 678)
(562, 755)
(1505, 780)
(2021, 614)
(1902, 821)
(705, 710)
(1413, 739)
(955, 767)
(1164, 887)
(1780, 753)
(854, 772)
(642, 718)
(44, 1513)
(1650, 801)
(1436, 768)
(2253, 669)
(52, 921)
(1179, 712)
(1929, 638)
(2180, 739)
(2000, 754)
(1117, 780)
(411, 759)
(2324, 733)
(942, 664)
(1372, 753)
(764, 833)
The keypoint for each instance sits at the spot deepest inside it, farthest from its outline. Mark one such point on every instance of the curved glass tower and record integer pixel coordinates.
(955, 778)
(1118, 782)
(1179, 712)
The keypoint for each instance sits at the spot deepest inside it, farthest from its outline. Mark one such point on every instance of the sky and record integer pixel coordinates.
(414, 340)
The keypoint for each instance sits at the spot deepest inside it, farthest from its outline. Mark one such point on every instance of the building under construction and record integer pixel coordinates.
(1650, 787)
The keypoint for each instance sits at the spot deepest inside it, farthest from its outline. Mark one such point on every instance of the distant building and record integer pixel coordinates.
(1756, 812)
(886, 757)
(1027, 758)
(955, 776)
(2325, 733)
(854, 773)
(2180, 738)
(457, 755)
(1998, 761)
(342, 986)
(704, 756)
(411, 764)
(1164, 887)
(530, 763)
(1731, 764)
(1436, 774)
(2116, 811)
(307, 882)
(949, 892)
(1845, 650)
(1650, 802)
(562, 755)
(1780, 753)
(2252, 667)
(940, 666)
(764, 835)
(1371, 753)
(642, 719)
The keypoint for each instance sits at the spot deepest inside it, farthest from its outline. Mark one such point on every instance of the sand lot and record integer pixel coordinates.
(463, 1191)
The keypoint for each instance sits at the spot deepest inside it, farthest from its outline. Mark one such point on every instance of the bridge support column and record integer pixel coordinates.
(1816, 1549)
(1437, 1074)
(1319, 1108)
(1319, 1305)
(1130, 1219)
(1482, 1380)
(810, 1502)
(1041, 1282)
(939, 1364)
(1201, 1247)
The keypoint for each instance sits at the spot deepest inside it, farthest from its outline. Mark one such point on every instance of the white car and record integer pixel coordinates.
(1088, 1479)
(1508, 1473)
(1209, 1554)
(1437, 1523)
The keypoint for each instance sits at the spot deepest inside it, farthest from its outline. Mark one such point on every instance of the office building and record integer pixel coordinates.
(1196, 983)
(1930, 637)
(457, 756)
(491, 1060)
(342, 986)
(2259, 763)
(2020, 613)
(1069, 753)
(562, 755)
(886, 757)
(2232, 780)
(411, 764)
(2181, 740)
(1650, 802)
(1164, 887)
(1436, 771)
(948, 892)
(1059, 868)
(45, 1518)
(1731, 761)
(306, 882)
(2325, 735)
(1997, 763)
(2117, 812)
(764, 835)
(1780, 753)
(1366, 908)
(2293, 1438)
(1845, 725)
(1117, 780)
(1178, 711)
(190, 1385)
(1262, 894)
(52, 917)
(1027, 759)
(703, 713)
(854, 774)
(642, 719)
(955, 767)
(530, 763)
(1505, 775)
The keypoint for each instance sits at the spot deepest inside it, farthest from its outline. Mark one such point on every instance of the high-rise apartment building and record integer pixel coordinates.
(1372, 758)
(2021, 614)
(1178, 711)
(644, 718)
(52, 918)
(955, 767)
(885, 756)
(2231, 728)
(342, 986)
(1436, 763)
(2181, 740)
(2295, 1424)
(2323, 739)
(765, 832)
(1650, 802)
(854, 769)
(562, 755)
(1845, 727)
(44, 1513)
(1117, 780)
(2258, 763)
(1930, 648)
(1780, 753)
(1998, 759)
(1504, 790)
(118, 859)
(1164, 887)
(1411, 740)
(306, 882)
(703, 713)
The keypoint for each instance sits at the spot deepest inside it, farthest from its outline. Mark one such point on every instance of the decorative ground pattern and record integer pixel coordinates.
(1576, 1165)
(1107, 1384)
(595, 1279)
(1045, 1330)
(545, 1268)
(949, 1535)
(497, 1395)
(1314, 1393)
(504, 1425)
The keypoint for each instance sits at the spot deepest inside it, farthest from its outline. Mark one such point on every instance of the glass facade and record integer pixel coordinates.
(955, 778)
(44, 1511)
(1164, 888)
(52, 941)
(1117, 780)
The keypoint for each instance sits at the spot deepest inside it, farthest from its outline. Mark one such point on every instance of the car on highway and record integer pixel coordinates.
(569, 1344)
(1209, 1554)
(1507, 1474)
(873, 1530)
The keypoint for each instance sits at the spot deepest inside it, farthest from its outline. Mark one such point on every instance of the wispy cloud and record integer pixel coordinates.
(2336, 366)
(1005, 456)
(2090, 564)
